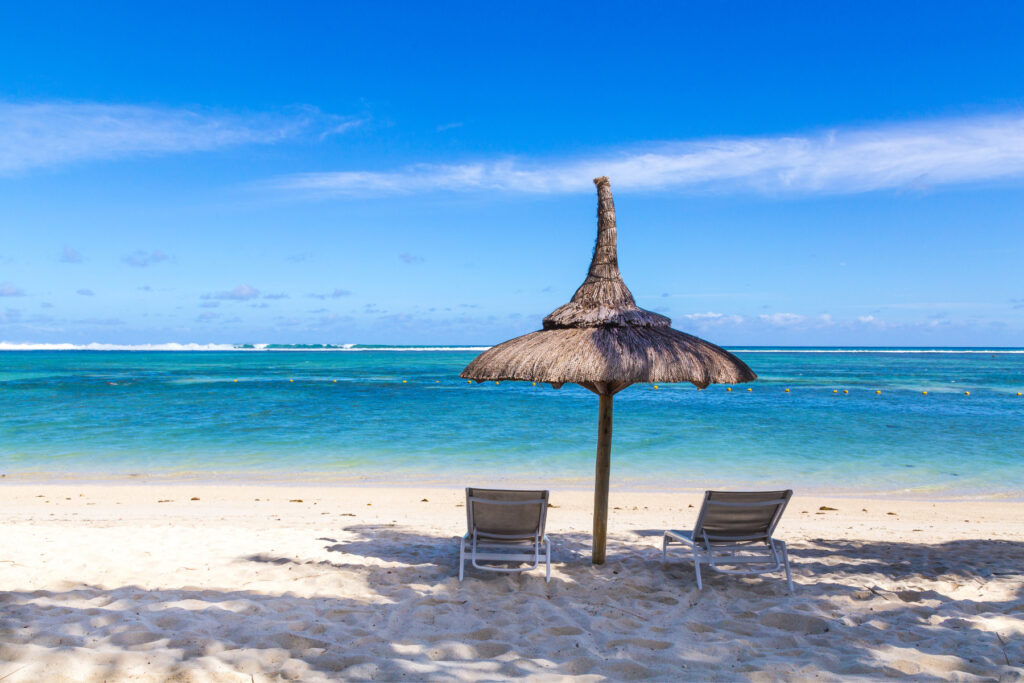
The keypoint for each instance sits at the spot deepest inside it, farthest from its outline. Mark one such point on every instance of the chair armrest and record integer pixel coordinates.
(685, 536)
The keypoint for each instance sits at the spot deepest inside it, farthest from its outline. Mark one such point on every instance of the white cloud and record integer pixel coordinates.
(870, 320)
(782, 319)
(8, 289)
(69, 255)
(344, 126)
(141, 258)
(841, 161)
(336, 294)
(410, 258)
(40, 134)
(242, 292)
(708, 319)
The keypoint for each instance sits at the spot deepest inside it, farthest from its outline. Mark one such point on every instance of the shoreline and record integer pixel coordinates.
(316, 480)
(946, 519)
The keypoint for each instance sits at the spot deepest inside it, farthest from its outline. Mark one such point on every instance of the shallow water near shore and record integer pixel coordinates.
(404, 416)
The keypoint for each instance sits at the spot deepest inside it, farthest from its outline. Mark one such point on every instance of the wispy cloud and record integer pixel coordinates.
(410, 258)
(448, 126)
(782, 319)
(242, 292)
(341, 125)
(40, 134)
(85, 292)
(8, 289)
(336, 294)
(105, 322)
(840, 161)
(69, 255)
(141, 258)
(710, 319)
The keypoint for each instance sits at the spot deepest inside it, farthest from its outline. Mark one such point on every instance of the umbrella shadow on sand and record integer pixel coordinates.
(430, 558)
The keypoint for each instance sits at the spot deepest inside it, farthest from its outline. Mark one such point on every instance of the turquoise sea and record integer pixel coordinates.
(403, 416)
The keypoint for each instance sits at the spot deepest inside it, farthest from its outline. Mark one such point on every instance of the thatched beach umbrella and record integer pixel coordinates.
(604, 342)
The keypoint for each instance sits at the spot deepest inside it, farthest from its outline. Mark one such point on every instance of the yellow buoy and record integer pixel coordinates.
(235, 380)
(728, 388)
(404, 381)
(924, 393)
(835, 391)
(879, 391)
(749, 389)
(495, 381)
(469, 381)
(291, 380)
(846, 391)
(335, 381)
(967, 393)
(1018, 393)
(787, 391)
(534, 384)
(655, 386)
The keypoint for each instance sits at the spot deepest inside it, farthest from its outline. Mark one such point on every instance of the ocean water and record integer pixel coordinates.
(403, 416)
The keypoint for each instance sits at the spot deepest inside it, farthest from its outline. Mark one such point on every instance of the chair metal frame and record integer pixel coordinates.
(502, 547)
(714, 550)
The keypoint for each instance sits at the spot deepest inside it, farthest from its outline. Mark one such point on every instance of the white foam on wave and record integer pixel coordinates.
(13, 346)
(174, 346)
(412, 348)
(783, 349)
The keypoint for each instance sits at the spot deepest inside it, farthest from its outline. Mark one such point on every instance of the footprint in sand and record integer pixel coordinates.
(630, 671)
(452, 652)
(641, 642)
(296, 643)
(578, 667)
(491, 650)
(481, 634)
(798, 623)
(564, 631)
(134, 637)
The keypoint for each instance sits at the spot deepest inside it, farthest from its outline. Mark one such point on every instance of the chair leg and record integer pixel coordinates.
(462, 557)
(785, 561)
(664, 549)
(547, 561)
(696, 566)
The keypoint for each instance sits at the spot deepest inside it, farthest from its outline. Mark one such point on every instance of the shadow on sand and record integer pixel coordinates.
(865, 609)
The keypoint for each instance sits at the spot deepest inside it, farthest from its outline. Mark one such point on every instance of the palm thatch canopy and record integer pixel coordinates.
(602, 340)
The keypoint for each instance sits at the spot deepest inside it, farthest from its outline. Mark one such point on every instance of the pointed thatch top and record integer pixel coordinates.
(603, 299)
(602, 340)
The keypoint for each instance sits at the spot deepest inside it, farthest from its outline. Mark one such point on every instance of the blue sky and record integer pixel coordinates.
(816, 173)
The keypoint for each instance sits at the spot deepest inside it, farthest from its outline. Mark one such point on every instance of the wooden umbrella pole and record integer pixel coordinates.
(604, 458)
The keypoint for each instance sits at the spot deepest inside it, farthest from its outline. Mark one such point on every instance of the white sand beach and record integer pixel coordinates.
(192, 582)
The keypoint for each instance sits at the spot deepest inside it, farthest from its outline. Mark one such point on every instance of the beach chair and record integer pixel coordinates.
(505, 526)
(733, 534)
